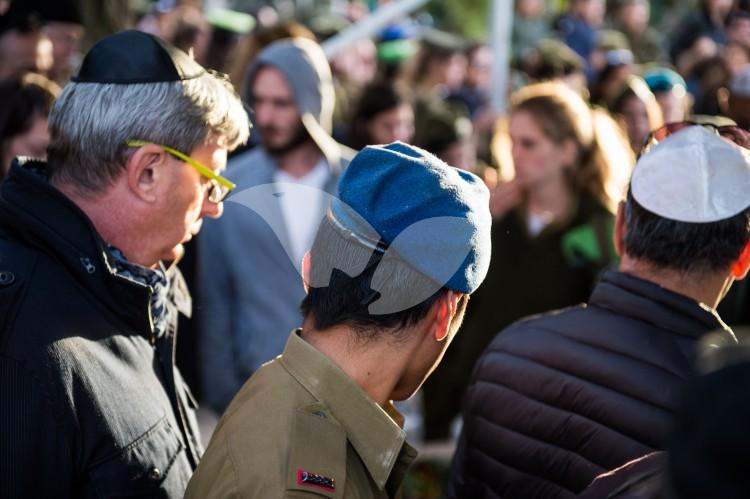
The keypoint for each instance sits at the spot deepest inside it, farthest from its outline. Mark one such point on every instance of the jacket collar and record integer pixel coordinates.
(375, 433)
(651, 303)
(34, 211)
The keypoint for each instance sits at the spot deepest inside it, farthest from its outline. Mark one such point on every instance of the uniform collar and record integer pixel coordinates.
(375, 433)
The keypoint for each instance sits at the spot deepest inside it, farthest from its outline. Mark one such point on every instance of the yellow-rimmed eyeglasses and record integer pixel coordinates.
(219, 188)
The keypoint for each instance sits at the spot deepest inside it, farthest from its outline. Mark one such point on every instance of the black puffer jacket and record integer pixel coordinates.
(558, 399)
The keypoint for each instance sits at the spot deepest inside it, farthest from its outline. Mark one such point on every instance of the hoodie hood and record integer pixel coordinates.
(305, 67)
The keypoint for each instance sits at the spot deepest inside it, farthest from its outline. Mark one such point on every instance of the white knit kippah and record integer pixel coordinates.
(694, 175)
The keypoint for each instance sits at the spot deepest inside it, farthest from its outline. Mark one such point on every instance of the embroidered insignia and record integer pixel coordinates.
(313, 480)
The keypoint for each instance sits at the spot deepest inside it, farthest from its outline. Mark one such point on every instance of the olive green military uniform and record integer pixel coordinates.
(300, 427)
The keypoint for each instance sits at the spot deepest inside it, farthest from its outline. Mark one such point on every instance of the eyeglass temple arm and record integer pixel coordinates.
(205, 171)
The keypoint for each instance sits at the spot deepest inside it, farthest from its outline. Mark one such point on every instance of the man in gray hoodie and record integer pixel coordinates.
(250, 285)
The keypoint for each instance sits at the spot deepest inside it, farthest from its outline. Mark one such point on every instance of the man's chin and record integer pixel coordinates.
(275, 148)
(174, 255)
(280, 146)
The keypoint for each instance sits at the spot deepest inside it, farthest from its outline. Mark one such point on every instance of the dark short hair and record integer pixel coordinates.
(375, 99)
(736, 15)
(20, 18)
(684, 246)
(24, 100)
(346, 299)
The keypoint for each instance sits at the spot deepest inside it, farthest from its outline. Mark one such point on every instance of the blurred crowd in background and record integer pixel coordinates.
(417, 82)
(589, 79)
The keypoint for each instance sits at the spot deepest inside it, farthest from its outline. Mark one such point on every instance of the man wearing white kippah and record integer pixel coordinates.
(558, 399)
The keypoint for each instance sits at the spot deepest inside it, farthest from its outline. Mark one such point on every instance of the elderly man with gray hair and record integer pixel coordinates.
(92, 403)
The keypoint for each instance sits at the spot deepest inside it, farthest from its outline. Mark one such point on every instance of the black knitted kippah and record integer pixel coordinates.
(132, 56)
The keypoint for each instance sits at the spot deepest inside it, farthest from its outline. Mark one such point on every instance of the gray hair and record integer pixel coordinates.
(91, 123)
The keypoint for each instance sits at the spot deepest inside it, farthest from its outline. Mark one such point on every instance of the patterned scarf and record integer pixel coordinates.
(156, 280)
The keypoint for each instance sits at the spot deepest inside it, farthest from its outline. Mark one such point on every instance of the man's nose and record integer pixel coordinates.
(261, 114)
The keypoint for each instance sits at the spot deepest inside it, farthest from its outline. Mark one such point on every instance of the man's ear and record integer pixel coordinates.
(306, 272)
(446, 307)
(722, 98)
(620, 230)
(742, 264)
(569, 152)
(143, 171)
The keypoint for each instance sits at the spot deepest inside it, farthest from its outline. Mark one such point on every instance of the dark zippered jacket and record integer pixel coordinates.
(558, 399)
(91, 404)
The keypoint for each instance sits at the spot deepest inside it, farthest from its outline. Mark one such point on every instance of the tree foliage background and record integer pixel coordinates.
(468, 18)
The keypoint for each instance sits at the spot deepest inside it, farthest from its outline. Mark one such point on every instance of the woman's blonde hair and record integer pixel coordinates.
(604, 157)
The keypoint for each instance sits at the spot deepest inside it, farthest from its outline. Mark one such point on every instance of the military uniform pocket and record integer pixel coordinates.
(317, 455)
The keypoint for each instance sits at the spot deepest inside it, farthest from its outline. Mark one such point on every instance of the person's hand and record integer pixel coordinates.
(504, 196)
(485, 120)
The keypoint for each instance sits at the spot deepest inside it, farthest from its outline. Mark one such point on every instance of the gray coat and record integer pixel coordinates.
(249, 289)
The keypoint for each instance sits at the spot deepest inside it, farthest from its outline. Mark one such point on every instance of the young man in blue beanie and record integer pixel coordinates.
(389, 274)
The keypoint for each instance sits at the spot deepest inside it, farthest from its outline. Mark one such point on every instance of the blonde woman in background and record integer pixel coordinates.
(564, 168)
